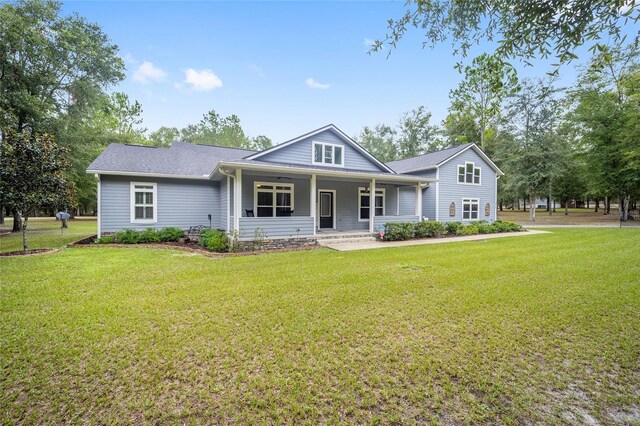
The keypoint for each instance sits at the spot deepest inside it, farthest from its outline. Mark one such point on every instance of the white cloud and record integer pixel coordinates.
(148, 73)
(311, 82)
(128, 58)
(257, 70)
(370, 43)
(202, 80)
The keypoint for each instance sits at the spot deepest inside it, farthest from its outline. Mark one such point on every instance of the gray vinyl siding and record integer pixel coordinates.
(301, 152)
(222, 210)
(180, 203)
(276, 227)
(379, 221)
(452, 191)
(407, 200)
(428, 195)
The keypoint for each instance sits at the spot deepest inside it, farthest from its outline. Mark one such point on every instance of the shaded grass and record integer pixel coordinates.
(46, 233)
(540, 329)
(576, 216)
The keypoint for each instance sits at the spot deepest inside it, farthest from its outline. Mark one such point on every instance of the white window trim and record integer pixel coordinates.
(465, 168)
(132, 202)
(274, 184)
(384, 202)
(470, 201)
(334, 207)
(325, 144)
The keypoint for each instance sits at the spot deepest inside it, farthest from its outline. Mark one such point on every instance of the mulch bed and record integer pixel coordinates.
(191, 247)
(33, 252)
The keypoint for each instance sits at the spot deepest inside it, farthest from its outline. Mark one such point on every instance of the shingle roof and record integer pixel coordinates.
(425, 161)
(182, 159)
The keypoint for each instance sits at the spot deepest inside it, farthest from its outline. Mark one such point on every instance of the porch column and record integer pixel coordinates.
(419, 201)
(372, 205)
(237, 200)
(312, 202)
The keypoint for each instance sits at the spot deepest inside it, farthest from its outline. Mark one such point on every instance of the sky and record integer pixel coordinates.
(284, 68)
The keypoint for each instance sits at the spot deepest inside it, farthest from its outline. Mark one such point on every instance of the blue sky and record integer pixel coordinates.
(284, 68)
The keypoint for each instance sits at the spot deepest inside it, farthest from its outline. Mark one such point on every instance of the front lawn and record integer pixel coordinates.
(541, 329)
(45, 232)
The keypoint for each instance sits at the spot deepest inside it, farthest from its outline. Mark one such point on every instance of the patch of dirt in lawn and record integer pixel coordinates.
(28, 252)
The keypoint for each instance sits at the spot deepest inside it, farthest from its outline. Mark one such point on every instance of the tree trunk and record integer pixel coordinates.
(623, 207)
(607, 205)
(1, 215)
(17, 222)
(597, 205)
(500, 204)
(566, 207)
(532, 208)
(25, 243)
(549, 204)
(587, 202)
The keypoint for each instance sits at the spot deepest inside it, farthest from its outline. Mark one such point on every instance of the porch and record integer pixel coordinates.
(282, 204)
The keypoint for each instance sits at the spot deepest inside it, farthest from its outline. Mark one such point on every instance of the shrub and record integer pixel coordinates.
(127, 236)
(469, 230)
(500, 226)
(484, 228)
(429, 229)
(149, 235)
(109, 239)
(170, 234)
(214, 240)
(453, 228)
(398, 231)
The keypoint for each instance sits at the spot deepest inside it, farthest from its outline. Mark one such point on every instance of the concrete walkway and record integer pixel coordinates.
(381, 244)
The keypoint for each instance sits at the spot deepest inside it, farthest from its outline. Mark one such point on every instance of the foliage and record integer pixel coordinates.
(398, 231)
(50, 64)
(32, 178)
(170, 234)
(524, 30)
(148, 235)
(469, 230)
(416, 134)
(214, 240)
(430, 229)
(453, 228)
(379, 141)
(487, 81)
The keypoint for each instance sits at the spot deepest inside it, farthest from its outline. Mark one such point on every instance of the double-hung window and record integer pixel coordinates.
(364, 203)
(469, 173)
(328, 154)
(470, 208)
(144, 202)
(273, 199)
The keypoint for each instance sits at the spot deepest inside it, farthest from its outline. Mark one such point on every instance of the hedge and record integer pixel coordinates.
(399, 231)
(149, 235)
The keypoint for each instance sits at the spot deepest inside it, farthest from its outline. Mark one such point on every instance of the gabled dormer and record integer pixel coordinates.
(327, 146)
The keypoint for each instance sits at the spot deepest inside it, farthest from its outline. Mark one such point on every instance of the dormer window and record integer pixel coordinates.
(469, 173)
(328, 154)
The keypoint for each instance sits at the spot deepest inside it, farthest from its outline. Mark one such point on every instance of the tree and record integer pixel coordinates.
(379, 141)
(164, 136)
(534, 118)
(32, 178)
(50, 63)
(459, 128)
(223, 131)
(526, 29)
(416, 135)
(605, 107)
(51, 67)
(487, 81)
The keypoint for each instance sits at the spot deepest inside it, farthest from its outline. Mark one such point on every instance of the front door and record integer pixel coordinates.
(326, 209)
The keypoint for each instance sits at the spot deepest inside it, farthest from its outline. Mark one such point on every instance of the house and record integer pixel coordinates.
(320, 182)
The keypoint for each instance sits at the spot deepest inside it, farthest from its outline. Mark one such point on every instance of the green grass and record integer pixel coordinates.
(46, 233)
(533, 329)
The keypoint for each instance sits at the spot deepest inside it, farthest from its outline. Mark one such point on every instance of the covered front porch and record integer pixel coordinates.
(290, 204)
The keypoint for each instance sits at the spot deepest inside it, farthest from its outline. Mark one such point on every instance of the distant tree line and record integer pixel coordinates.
(573, 143)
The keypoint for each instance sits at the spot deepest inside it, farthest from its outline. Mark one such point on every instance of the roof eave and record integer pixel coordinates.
(146, 174)
(307, 171)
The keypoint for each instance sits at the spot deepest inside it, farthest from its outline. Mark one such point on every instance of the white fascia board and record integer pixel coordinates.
(142, 174)
(306, 171)
(480, 153)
